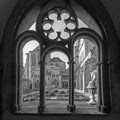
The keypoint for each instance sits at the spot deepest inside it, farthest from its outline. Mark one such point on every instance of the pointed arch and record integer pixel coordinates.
(104, 101)
(9, 41)
(17, 61)
(56, 48)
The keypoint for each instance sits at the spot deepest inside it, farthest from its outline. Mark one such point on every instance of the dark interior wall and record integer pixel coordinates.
(112, 7)
(6, 7)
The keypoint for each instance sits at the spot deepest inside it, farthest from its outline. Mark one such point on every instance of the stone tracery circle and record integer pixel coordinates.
(59, 24)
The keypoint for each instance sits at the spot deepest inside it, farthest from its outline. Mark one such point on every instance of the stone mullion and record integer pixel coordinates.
(71, 106)
(104, 98)
(20, 86)
(99, 86)
(105, 88)
(16, 101)
(41, 102)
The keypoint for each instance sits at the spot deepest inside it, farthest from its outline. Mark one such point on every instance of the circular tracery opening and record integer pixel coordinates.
(59, 24)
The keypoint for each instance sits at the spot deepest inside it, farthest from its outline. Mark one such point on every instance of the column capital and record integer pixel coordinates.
(71, 61)
(41, 62)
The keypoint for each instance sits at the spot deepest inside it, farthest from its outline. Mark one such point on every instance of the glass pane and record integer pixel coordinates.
(56, 82)
(85, 74)
(29, 86)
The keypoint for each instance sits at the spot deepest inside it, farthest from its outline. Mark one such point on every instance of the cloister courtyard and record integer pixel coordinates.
(57, 103)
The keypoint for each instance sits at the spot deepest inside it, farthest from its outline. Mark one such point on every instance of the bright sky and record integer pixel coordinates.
(29, 47)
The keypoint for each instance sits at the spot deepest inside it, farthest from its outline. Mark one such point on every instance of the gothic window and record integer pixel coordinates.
(64, 68)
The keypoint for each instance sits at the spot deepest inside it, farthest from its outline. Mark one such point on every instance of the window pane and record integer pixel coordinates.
(29, 86)
(86, 74)
(56, 82)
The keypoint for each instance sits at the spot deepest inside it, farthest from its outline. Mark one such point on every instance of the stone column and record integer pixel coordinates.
(71, 106)
(41, 106)
(103, 88)
(99, 86)
(15, 101)
(20, 88)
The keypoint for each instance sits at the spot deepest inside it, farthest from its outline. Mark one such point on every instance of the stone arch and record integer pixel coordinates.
(56, 48)
(17, 61)
(21, 7)
(104, 103)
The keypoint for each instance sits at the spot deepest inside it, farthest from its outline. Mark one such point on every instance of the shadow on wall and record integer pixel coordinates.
(1, 73)
(119, 30)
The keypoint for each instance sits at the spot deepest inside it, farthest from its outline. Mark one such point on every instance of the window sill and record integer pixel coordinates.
(60, 111)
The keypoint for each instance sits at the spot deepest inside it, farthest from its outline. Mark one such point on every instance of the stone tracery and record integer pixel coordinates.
(59, 24)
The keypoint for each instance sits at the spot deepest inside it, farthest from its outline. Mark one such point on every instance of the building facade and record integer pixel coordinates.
(56, 74)
(85, 56)
(32, 68)
(55, 71)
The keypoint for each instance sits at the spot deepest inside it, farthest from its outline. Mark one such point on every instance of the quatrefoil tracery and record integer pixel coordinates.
(59, 24)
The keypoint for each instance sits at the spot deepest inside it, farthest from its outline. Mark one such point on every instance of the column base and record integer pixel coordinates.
(104, 109)
(41, 108)
(71, 108)
(15, 108)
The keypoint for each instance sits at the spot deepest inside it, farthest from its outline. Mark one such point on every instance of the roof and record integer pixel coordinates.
(56, 59)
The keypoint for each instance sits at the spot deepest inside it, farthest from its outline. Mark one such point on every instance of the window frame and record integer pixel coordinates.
(102, 66)
(17, 61)
(105, 70)
(104, 103)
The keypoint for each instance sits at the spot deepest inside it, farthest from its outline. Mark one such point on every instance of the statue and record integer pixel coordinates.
(92, 90)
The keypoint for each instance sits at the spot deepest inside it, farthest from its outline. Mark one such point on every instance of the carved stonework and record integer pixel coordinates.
(92, 90)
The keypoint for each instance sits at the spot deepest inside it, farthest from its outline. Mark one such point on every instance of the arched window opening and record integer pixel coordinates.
(56, 82)
(44, 81)
(85, 73)
(29, 75)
